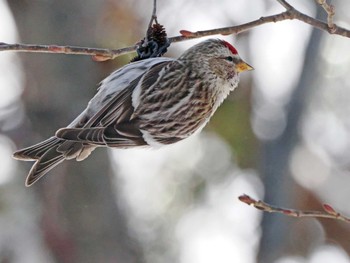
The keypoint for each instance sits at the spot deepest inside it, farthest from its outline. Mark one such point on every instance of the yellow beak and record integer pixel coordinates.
(243, 66)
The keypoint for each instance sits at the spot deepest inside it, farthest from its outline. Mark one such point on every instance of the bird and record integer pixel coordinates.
(148, 103)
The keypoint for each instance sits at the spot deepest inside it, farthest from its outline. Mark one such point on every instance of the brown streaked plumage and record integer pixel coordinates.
(151, 102)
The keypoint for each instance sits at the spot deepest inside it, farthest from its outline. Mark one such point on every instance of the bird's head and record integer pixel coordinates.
(220, 56)
(225, 61)
(230, 55)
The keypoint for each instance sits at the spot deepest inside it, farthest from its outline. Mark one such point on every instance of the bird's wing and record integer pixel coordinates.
(110, 121)
(115, 110)
(115, 101)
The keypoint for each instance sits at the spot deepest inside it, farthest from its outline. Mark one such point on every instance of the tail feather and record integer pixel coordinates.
(34, 152)
(49, 154)
(47, 161)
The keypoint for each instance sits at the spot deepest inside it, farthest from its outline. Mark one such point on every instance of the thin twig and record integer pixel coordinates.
(154, 14)
(153, 18)
(330, 10)
(105, 54)
(329, 211)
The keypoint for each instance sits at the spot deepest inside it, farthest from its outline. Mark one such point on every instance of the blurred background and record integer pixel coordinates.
(283, 136)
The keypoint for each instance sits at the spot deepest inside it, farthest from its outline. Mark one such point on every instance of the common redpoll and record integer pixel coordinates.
(152, 102)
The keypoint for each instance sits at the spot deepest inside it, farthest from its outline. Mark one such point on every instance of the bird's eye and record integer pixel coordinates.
(229, 59)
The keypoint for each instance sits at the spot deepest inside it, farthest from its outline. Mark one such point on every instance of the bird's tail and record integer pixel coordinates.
(48, 154)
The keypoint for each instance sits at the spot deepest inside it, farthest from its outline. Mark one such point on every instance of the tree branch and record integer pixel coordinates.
(328, 212)
(105, 54)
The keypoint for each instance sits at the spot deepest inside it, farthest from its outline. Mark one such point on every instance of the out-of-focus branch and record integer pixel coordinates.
(329, 211)
(105, 54)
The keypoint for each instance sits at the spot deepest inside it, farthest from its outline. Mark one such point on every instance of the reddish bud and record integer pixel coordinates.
(329, 209)
(246, 199)
(100, 58)
(186, 33)
(288, 212)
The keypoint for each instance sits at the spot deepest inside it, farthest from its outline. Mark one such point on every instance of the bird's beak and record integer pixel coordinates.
(243, 66)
